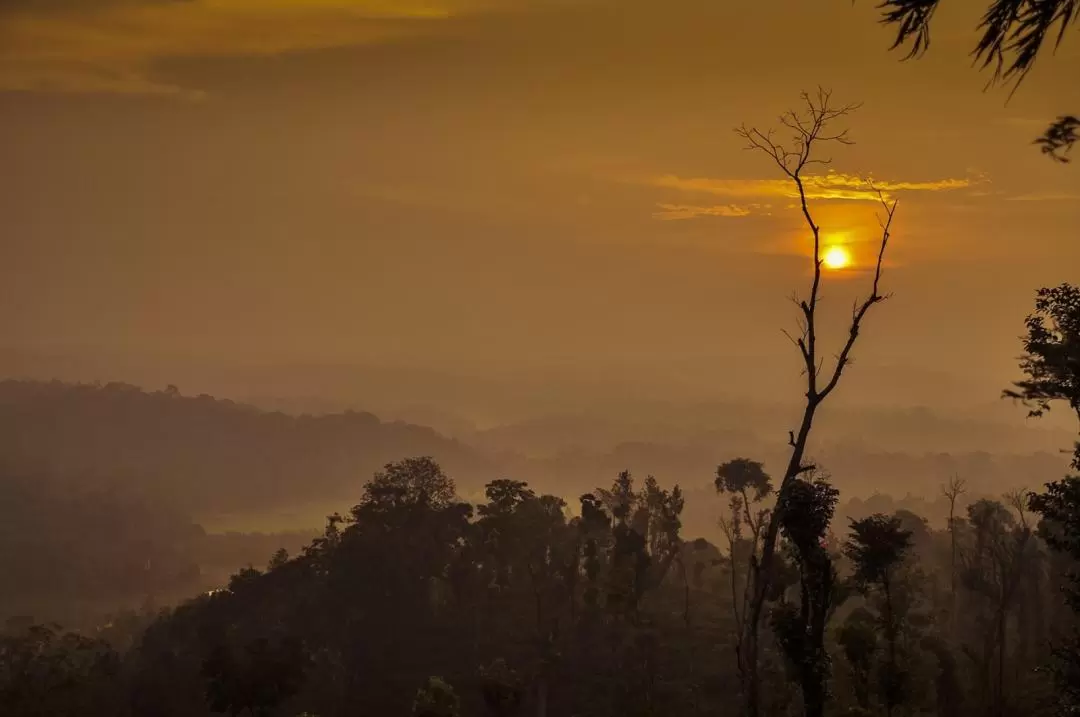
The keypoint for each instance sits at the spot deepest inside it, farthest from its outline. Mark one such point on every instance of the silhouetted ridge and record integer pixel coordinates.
(203, 453)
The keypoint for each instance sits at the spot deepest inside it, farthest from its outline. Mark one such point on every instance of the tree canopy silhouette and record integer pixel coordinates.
(1051, 357)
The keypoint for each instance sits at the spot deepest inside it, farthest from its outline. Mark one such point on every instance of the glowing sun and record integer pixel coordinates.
(836, 257)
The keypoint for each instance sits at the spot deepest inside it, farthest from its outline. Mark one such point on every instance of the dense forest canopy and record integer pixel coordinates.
(511, 605)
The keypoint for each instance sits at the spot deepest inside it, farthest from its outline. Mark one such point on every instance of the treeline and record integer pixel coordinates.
(416, 603)
(210, 457)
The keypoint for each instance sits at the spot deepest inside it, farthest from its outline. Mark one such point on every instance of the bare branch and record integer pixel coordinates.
(811, 128)
(1018, 501)
(954, 488)
(875, 296)
(1013, 34)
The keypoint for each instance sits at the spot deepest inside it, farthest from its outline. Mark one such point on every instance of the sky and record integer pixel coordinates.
(497, 185)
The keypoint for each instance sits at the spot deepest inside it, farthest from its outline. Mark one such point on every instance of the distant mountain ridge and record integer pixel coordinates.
(222, 461)
(202, 453)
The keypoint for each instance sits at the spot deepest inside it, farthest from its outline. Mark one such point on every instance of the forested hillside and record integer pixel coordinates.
(208, 456)
(201, 454)
(415, 603)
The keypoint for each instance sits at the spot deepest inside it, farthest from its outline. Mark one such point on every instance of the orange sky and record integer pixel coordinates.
(472, 183)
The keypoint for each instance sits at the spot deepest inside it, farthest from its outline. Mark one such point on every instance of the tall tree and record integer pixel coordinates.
(747, 485)
(800, 627)
(1059, 507)
(952, 492)
(527, 539)
(1051, 359)
(858, 639)
(993, 572)
(1051, 362)
(1012, 34)
(877, 548)
(810, 127)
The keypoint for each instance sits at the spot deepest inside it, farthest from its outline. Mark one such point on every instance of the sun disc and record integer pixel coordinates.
(836, 257)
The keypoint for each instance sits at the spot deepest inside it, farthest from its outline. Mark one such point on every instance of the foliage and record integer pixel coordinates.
(877, 548)
(858, 639)
(744, 477)
(521, 608)
(1051, 357)
(1012, 33)
(1059, 507)
(502, 689)
(413, 482)
(436, 699)
(45, 672)
(256, 677)
(807, 512)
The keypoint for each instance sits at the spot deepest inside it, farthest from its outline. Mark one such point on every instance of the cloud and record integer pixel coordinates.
(674, 212)
(833, 185)
(113, 45)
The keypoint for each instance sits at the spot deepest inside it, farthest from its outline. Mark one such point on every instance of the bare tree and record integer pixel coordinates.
(811, 126)
(952, 492)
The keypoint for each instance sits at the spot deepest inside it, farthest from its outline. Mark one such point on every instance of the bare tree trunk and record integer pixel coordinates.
(542, 697)
(999, 707)
(761, 572)
(890, 637)
(953, 491)
(952, 571)
(686, 594)
(810, 126)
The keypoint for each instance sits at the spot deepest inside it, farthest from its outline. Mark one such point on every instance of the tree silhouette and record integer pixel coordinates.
(531, 610)
(993, 570)
(952, 492)
(413, 481)
(810, 127)
(746, 484)
(1012, 34)
(877, 547)
(808, 511)
(258, 677)
(45, 671)
(1051, 357)
(1059, 507)
(858, 639)
(436, 699)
